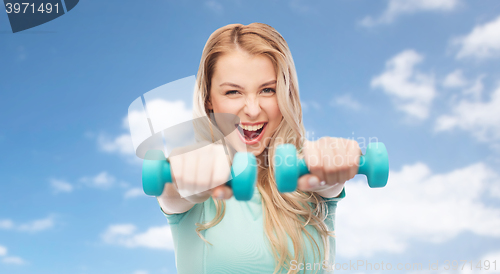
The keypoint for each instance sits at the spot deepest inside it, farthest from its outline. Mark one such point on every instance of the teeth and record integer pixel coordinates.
(252, 128)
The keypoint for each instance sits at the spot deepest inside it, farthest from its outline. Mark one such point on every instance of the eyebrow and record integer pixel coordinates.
(237, 86)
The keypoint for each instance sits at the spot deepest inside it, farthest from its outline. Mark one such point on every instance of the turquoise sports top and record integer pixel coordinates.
(239, 244)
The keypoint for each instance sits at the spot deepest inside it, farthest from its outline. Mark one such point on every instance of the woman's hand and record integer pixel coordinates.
(331, 162)
(198, 172)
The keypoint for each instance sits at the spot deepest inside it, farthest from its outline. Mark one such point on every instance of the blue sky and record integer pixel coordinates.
(420, 76)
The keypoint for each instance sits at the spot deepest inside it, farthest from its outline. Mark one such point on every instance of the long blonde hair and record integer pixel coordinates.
(287, 213)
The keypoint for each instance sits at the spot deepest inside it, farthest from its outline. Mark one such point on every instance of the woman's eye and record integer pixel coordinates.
(231, 92)
(268, 90)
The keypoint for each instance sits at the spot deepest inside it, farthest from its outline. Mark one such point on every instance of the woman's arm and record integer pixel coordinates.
(331, 192)
(171, 201)
(310, 182)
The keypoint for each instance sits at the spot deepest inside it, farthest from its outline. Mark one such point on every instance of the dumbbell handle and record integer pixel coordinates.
(374, 164)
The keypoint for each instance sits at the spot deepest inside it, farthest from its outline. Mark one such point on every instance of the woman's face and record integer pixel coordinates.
(245, 86)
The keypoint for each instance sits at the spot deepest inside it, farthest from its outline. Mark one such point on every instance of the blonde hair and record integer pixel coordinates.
(284, 213)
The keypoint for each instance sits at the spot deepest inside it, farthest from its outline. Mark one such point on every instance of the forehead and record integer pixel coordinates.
(243, 68)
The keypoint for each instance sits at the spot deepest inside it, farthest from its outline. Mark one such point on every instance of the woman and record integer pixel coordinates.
(248, 71)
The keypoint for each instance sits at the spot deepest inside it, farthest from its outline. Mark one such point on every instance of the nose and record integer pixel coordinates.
(252, 108)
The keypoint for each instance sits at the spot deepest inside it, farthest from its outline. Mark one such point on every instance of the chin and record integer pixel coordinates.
(256, 151)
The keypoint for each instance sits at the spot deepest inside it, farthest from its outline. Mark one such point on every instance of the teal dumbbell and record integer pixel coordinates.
(156, 172)
(374, 164)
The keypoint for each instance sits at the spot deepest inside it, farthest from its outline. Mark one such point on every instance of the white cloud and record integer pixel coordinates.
(9, 259)
(346, 101)
(170, 121)
(126, 235)
(37, 225)
(416, 205)
(125, 121)
(455, 79)
(163, 115)
(308, 105)
(411, 90)
(305, 106)
(33, 226)
(482, 43)
(102, 180)
(141, 272)
(395, 8)
(134, 192)
(475, 90)
(60, 186)
(121, 144)
(22, 54)
(6, 224)
(214, 6)
(302, 6)
(481, 119)
(478, 261)
(13, 260)
(491, 257)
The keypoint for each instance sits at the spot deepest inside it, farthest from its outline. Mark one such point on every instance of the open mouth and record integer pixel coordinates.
(251, 133)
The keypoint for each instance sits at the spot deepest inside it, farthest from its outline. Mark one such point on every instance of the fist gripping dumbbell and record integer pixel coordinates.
(374, 164)
(156, 172)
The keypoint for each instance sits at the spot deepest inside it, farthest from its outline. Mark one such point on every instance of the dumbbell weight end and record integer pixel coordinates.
(375, 165)
(155, 172)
